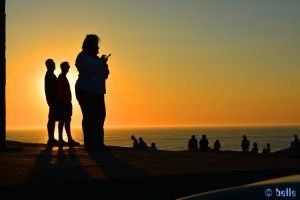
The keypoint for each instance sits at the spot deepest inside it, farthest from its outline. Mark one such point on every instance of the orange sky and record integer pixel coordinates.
(173, 63)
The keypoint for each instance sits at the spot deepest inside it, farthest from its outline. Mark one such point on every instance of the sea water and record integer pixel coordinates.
(176, 138)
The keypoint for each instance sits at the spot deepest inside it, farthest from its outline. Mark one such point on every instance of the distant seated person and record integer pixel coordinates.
(292, 145)
(245, 144)
(135, 142)
(296, 142)
(217, 145)
(267, 150)
(142, 144)
(193, 143)
(255, 148)
(153, 147)
(203, 144)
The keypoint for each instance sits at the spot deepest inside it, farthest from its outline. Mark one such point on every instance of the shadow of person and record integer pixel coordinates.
(57, 172)
(112, 166)
(126, 179)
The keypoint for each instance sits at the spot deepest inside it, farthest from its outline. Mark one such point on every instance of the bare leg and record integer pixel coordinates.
(68, 130)
(60, 130)
(51, 128)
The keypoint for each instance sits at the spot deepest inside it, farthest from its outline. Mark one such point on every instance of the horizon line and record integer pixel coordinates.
(165, 126)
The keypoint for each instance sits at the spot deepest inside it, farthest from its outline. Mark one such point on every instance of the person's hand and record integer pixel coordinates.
(104, 58)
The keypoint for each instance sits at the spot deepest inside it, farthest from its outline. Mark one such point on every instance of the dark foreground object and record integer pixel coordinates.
(155, 187)
(280, 188)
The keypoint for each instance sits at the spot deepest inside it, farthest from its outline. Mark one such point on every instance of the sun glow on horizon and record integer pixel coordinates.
(212, 65)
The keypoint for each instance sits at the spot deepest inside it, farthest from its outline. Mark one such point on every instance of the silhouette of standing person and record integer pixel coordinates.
(64, 97)
(51, 97)
(245, 144)
(90, 90)
(135, 142)
(193, 143)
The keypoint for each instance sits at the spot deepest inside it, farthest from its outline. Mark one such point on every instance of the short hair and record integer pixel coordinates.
(49, 62)
(64, 65)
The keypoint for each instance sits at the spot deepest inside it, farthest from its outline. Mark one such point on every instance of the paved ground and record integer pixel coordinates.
(27, 169)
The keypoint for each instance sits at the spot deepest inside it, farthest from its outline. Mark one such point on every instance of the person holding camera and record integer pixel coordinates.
(90, 89)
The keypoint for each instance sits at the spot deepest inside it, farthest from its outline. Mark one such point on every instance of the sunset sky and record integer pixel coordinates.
(173, 62)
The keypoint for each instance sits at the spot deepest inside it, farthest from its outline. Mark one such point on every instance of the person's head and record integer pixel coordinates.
(244, 136)
(141, 139)
(204, 136)
(133, 137)
(153, 144)
(64, 67)
(91, 44)
(268, 145)
(255, 144)
(193, 136)
(50, 64)
(295, 136)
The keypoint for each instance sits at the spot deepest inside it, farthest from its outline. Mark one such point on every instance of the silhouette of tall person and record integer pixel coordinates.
(64, 97)
(51, 97)
(90, 89)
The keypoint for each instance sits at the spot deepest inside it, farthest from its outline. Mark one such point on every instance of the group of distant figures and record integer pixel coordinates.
(245, 145)
(141, 144)
(193, 145)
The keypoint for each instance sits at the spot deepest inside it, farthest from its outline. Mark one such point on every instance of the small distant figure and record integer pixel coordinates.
(296, 142)
(267, 150)
(255, 148)
(245, 144)
(203, 143)
(217, 145)
(142, 143)
(193, 143)
(153, 147)
(64, 98)
(135, 142)
(292, 145)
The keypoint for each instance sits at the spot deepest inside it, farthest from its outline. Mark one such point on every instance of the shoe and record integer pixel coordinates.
(52, 142)
(62, 143)
(73, 143)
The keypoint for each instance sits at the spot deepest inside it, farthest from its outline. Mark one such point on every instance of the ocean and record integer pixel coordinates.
(176, 138)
